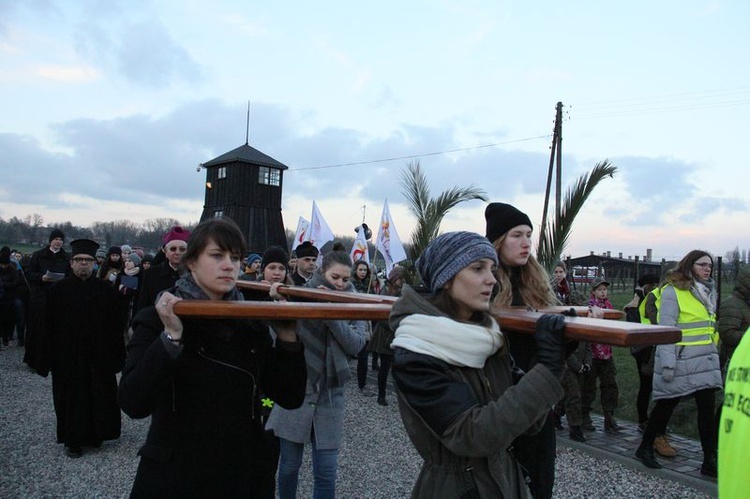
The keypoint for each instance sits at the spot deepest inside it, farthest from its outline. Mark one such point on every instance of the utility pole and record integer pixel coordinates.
(555, 154)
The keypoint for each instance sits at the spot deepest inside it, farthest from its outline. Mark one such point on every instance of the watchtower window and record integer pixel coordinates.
(269, 176)
(222, 173)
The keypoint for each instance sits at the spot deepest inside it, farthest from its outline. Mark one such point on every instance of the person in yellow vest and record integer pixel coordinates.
(690, 366)
(734, 432)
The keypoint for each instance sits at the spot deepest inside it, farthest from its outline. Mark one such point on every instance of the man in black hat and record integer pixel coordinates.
(46, 266)
(84, 350)
(307, 256)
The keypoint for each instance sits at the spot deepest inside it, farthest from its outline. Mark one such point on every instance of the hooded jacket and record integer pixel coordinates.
(463, 420)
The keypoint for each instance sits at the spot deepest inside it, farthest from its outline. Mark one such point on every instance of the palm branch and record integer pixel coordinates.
(554, 237)
(430, 212)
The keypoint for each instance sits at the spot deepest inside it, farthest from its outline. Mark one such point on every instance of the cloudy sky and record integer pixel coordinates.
(109, 106)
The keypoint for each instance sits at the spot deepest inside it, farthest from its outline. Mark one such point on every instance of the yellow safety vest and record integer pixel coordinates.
(697, 325)
(734, 430)
(642, 306)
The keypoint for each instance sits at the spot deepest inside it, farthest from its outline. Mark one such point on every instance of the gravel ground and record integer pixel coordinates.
(375, 461)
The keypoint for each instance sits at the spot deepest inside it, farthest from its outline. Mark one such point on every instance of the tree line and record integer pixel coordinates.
(32, 231)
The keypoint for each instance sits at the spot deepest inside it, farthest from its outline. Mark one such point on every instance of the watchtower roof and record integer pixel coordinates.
(246, 154)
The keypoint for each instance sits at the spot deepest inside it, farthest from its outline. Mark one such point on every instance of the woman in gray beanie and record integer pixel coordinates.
(462, 402)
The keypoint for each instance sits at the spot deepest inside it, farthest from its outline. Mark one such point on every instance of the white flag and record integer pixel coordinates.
(320, 232)
(388, 242)
(301, 235)
(359, 248)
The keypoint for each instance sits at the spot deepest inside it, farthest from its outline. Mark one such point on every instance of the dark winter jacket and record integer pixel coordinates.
(153, 281)
(206, 437)
(734, 315)
(463, 420)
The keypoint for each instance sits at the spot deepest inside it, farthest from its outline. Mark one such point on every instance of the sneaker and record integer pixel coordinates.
(73, 452)
(662, 446)
(382, 401)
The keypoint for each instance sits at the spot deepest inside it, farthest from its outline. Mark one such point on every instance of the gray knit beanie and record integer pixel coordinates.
(450, 253)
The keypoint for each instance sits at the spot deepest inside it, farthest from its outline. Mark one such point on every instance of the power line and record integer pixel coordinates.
(689, 101)
(412, 156)
(703, 94)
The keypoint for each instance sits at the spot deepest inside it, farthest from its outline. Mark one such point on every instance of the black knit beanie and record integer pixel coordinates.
(56, 233)
(501, 218)
(275, 254)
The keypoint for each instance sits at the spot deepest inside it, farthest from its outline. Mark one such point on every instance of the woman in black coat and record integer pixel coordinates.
(200, 381)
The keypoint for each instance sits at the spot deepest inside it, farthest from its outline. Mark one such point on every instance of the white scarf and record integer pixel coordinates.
(457, 343)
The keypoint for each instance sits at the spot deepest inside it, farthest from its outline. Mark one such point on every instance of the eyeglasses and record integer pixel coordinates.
(177, 249)
(703, 265)
(83, 260)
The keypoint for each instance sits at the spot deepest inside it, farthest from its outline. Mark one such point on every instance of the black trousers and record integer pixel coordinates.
(645, 383)
(662, 412)
(536, 453)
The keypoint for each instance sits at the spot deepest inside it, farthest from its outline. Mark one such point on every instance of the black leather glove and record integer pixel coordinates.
(571, 312)
(550, 343)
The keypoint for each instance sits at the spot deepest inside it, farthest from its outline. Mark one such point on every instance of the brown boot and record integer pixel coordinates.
(661, 445)
(610, 423)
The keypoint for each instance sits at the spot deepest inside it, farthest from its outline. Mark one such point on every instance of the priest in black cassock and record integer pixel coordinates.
(84, 350)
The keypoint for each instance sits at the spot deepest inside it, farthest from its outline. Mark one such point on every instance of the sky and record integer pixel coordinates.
(108, 107)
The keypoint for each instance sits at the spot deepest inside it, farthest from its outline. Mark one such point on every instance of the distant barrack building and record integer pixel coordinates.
(245, 185)
(615, 269)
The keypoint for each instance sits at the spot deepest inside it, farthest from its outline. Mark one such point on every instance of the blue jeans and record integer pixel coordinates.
(325, 464)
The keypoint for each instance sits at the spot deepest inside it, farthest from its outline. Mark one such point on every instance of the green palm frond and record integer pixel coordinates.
(554, 237)
(428, 211)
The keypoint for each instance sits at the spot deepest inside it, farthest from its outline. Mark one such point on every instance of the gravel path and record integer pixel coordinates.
(376, 460)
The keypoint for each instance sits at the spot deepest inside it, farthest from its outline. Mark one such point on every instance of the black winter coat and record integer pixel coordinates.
(206, 437)
(153, 281)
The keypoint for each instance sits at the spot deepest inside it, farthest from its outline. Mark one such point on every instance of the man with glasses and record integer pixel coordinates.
(164, 275)
(83, 349)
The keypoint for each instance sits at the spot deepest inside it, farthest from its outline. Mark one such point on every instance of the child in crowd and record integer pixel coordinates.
(602, 368)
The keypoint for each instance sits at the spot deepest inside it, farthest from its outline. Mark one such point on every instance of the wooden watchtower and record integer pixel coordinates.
(245, 185)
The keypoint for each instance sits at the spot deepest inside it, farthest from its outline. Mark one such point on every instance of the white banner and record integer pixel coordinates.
(388, 242)
(320, 232)
(301, 235)
(359, 248)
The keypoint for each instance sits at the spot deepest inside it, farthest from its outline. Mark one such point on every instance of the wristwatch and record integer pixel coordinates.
(173, 340)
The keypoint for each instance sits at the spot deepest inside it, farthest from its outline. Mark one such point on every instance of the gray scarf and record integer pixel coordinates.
(187, 289)
(322, 351)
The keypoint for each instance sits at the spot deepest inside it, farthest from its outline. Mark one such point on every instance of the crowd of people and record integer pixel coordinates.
(234, 402)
